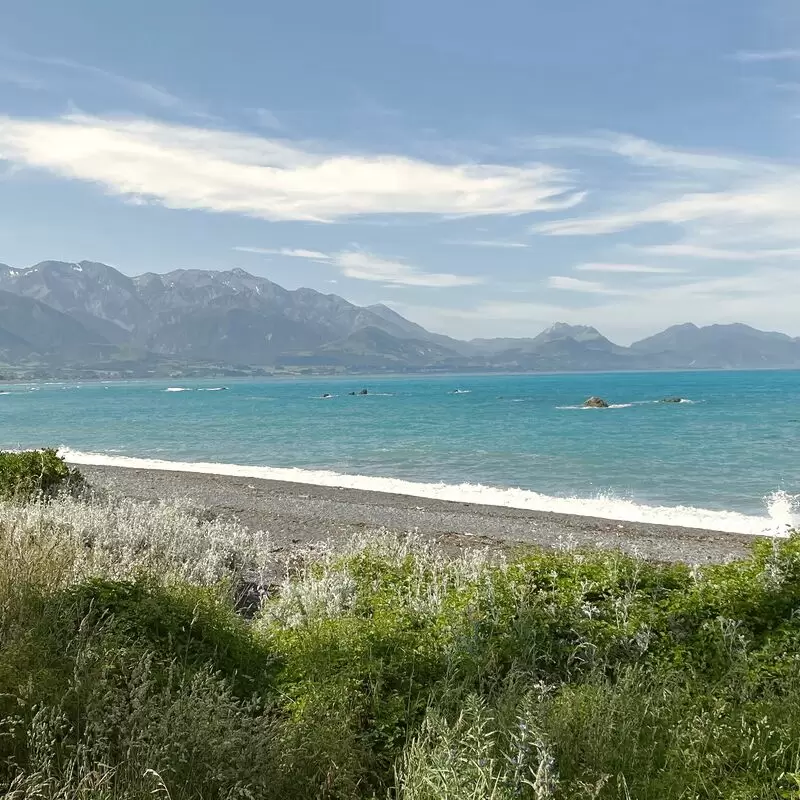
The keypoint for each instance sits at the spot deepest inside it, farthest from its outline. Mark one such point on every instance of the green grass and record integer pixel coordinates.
(383, 670)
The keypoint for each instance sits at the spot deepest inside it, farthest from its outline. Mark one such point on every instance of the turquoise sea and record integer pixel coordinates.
(726, 459)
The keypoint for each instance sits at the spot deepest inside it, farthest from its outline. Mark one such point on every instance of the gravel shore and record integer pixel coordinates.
(301, 514)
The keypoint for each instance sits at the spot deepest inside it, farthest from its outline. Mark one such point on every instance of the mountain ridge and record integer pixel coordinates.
(88, 315)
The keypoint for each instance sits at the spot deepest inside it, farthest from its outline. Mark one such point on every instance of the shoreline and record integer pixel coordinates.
(302, 514)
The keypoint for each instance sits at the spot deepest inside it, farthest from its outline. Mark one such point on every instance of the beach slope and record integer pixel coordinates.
(297, 515)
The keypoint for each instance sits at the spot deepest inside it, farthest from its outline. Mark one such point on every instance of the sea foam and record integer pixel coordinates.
(781, 508)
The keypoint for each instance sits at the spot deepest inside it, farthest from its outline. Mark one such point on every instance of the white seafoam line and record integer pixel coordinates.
(780, 507)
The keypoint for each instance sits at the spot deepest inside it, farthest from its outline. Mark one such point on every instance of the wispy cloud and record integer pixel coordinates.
(500, 243)
(645, 152)
(267, 119)
(187, 167)
(565, 283)
(367, 267)
(767, 202)
(633, 269)
(147, 92)
(768, 55)
(685, 250)
(21, 79)
(715, 198)
(316, 255)
(364, 266)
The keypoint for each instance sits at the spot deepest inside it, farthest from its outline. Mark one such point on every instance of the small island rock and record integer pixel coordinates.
(672, 400)
(595, 402)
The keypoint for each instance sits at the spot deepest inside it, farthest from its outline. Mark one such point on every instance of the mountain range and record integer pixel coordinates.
(89, 317)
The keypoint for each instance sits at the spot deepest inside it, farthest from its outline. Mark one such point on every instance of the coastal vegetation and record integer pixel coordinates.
(149, 650)
(34, 475)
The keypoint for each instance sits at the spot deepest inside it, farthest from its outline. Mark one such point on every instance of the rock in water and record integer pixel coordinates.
(672, 400)
(363, 391)
(595, 402)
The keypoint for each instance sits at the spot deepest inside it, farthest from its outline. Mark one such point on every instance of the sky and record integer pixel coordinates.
(483, 169)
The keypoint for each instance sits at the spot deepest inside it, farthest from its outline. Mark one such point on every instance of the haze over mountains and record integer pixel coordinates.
(89, 316)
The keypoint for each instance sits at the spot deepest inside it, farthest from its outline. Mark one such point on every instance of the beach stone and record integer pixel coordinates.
(250, 595)
(595, 402)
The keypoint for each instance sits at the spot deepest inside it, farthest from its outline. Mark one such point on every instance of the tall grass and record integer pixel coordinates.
(382, 669)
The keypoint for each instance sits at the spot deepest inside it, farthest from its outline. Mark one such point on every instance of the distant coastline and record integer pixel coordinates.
(92, 376)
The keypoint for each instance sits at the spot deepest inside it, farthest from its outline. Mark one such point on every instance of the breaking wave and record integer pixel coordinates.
(780, 508)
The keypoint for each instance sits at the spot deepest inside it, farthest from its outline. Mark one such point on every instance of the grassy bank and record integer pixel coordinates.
(132, 666)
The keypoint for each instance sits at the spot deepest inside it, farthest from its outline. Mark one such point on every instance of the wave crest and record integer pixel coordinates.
(781, 508)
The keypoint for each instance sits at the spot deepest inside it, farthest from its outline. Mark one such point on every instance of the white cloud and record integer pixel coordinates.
(768, 55)
(500, 243)
(568, 284)
(368, 267)
(686, 250)
(762, 203)
(731, 208)
(640, 269)
(200, 168)
(316, 255)
(645, 152)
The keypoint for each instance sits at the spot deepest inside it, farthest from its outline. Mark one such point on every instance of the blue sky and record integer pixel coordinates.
(486, 169)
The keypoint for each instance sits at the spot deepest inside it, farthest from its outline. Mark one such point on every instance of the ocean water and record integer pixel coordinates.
(728, 458)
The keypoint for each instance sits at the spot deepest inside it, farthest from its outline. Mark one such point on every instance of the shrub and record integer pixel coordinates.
(33, 474)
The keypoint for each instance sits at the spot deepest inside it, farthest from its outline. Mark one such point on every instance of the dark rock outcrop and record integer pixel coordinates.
(595, 402)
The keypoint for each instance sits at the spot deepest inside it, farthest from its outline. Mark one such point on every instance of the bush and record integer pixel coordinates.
(33, 474)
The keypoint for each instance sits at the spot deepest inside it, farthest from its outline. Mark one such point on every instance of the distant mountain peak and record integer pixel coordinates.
(565, 327)
(683, 326)
(562, 330)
